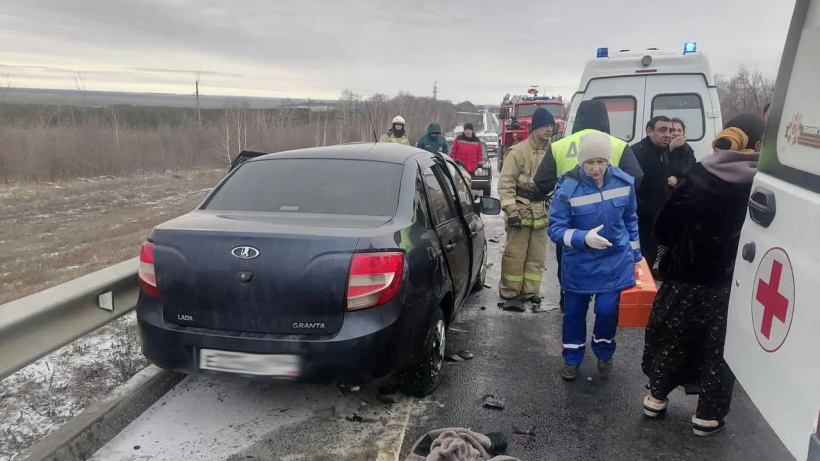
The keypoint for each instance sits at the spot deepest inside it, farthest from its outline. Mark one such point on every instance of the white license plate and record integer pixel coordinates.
(249, 364)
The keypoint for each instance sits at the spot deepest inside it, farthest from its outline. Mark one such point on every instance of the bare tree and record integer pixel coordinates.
(198, 113)
(5, 87)
(746, 91)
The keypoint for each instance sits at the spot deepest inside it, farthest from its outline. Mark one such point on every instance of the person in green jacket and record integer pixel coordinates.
(433, 141)
(396, 133)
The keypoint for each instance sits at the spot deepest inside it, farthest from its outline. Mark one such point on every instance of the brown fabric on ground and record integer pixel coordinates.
(454, 444)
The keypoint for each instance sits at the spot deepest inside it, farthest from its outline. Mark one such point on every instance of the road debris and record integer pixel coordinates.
(514, 305)
(453, 358)
(494, 240)
(466, 355)
(491, 402)
(525, 431)
(389, 399)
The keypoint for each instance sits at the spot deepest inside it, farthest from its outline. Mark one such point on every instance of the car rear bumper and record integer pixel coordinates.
(371, 344)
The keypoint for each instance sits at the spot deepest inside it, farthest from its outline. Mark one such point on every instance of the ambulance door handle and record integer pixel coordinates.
(749, 251)
(762, 206)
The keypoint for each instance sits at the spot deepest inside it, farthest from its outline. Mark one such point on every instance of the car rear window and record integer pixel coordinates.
(323, 186)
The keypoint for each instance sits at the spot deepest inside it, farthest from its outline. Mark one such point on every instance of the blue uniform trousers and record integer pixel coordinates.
(575, 325)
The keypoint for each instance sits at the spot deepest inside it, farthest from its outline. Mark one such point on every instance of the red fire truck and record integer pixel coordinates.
(516, 116)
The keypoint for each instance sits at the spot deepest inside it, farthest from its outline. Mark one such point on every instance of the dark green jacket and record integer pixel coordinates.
(433, 144)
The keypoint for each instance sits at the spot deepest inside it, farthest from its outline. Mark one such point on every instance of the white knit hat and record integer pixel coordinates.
(593, 146)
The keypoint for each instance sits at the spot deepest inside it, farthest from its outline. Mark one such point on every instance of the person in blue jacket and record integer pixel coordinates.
(594, 216)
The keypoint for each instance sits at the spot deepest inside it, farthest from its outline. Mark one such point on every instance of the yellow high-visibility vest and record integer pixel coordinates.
(565, 151)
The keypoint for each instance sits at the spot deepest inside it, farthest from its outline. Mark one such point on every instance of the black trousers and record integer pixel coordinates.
(649, 246)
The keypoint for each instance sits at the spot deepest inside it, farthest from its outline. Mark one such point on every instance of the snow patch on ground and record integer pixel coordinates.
(39, 398)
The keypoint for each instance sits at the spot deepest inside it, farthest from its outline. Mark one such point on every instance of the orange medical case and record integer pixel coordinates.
(636, 302)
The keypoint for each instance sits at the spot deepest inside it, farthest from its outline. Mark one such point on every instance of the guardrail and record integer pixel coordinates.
(37, 325)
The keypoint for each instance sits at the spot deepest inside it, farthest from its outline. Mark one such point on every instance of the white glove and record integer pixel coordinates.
(596, 241)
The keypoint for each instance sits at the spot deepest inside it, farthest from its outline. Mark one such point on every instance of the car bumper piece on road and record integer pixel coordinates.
(371, 344)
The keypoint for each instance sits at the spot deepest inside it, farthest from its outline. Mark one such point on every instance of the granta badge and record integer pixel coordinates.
(309, 326)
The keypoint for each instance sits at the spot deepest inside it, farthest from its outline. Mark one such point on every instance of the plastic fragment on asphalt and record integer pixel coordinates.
(528, 431)
(466, 355)
(491, 402)
(487, 285)
(483, 308)
(589, 378)
(453, 358)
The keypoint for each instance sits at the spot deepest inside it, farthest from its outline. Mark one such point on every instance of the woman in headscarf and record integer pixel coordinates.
(700, 226)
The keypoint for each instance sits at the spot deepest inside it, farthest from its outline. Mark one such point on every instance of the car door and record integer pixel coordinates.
(450, 229)
(773, 332)
(472, 220)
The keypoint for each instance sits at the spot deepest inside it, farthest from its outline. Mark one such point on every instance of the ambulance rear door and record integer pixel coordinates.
(773, 339)
(687, 97)
(624, 100)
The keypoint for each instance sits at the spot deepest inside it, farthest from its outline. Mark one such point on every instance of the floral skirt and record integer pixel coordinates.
(684, 345)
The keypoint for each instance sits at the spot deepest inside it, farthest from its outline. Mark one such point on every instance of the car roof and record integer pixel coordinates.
(383, 152)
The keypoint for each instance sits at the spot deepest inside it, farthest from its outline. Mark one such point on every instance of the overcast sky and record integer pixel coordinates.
(476, 50)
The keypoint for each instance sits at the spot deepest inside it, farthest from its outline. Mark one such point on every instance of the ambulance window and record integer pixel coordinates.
(687, 107)
(621, 110)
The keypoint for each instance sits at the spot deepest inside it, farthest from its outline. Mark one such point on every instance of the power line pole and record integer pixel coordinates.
(435, 90)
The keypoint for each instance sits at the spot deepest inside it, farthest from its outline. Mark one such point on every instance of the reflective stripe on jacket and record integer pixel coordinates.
(579, 206)
(520, 165)
(390, 137)
(565, 151)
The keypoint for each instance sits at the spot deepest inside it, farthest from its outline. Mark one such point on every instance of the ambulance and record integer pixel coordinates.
(638, 85)
(773, 338)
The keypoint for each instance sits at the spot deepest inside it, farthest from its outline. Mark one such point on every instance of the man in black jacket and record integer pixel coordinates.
(653, 156)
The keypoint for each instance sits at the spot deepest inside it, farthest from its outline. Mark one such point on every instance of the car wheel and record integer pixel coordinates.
(422, 379)
(481, 278)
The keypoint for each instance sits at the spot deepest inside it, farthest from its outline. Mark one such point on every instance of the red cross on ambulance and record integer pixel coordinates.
(773, 300)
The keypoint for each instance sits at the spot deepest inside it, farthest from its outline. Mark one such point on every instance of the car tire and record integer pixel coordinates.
(422, 378)
(481, 278)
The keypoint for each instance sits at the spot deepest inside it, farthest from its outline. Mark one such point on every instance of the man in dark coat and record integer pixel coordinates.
(653, 156)
(433, 141)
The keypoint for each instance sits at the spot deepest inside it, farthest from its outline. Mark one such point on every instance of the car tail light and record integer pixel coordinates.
(147, 276)
(375, 279)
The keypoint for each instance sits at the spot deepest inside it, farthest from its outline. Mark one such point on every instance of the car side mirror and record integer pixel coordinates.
(489, 205)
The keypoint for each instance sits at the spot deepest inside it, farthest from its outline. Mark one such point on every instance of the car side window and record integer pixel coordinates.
(442, 208)
(420, 204)
(464, 195)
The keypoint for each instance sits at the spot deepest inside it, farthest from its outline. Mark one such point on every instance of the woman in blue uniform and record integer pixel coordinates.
(594, 216)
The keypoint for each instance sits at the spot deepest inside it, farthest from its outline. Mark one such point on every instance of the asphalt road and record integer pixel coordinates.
(517, 358)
